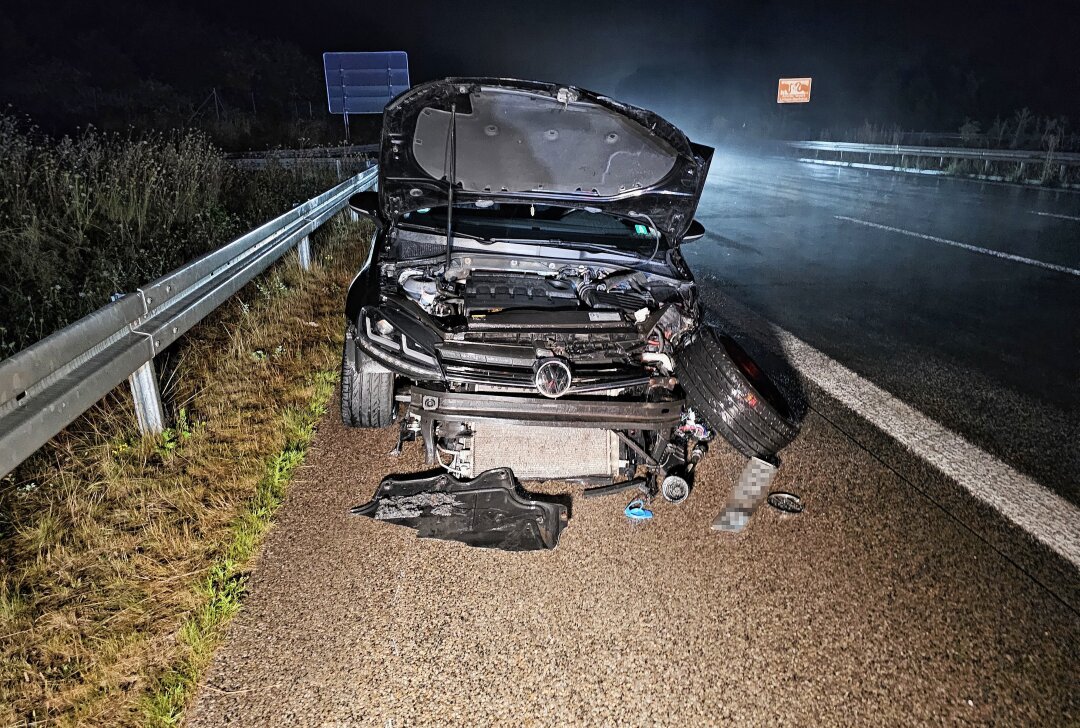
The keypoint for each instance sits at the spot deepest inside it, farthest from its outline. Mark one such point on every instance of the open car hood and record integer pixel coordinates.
(526, 141)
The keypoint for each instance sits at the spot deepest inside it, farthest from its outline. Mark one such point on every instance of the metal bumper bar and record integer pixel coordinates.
(432, 404)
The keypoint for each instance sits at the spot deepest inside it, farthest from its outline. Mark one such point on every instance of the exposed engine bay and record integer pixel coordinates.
(550, 327)
(612, 319)
(477, 284)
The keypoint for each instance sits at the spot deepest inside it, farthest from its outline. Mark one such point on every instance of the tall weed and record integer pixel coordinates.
(84, 217)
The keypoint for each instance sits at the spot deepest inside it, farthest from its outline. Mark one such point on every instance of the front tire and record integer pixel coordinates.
(367, 389)
(731, 393)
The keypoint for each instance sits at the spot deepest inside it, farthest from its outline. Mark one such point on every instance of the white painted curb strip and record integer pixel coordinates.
(1048, 517)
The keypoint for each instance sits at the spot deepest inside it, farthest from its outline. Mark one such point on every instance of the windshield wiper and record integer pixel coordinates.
(555, 243)
(431, 229)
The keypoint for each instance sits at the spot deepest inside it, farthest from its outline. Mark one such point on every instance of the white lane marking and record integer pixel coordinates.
(867, 165)
(965, 246)
(1048, 517)
(1055, 214)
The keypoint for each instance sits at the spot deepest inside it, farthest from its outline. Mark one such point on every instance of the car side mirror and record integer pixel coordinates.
(366, 204)
(696, 231)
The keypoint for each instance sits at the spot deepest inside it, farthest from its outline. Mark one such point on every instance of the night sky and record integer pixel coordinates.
(919, 65)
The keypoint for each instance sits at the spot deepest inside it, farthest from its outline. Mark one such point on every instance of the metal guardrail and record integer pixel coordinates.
(986, 155)
(982, 140)
(328, 156)
(325, 157)
(46, 386)
(308, 153)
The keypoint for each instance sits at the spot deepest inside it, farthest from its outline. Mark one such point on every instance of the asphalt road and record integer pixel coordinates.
(896, 598)
(988, 346)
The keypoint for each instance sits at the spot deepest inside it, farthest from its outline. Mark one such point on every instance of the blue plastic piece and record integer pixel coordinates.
(636, 511)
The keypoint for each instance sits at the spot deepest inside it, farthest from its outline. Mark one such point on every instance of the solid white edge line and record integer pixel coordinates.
(1055, 214)
(867, 165)
(965, 246)
(1045, 515)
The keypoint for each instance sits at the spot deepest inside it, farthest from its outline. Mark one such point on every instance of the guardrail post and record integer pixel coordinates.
(144, 390)
(353, 215)
(303, 250)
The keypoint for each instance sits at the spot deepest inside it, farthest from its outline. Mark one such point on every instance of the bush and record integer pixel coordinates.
(82, 218)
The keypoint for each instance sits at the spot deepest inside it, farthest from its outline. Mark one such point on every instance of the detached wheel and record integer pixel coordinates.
(367, 389)
(730, 392)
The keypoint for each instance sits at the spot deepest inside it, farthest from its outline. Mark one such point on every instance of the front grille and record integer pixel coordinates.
(522, 378)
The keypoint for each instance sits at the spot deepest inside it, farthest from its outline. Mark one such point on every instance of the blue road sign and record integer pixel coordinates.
(363, 83)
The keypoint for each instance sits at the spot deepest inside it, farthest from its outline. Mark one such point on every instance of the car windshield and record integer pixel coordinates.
(542, 222)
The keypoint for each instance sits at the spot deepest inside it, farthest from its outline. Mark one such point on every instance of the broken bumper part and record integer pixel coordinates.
(490, 511)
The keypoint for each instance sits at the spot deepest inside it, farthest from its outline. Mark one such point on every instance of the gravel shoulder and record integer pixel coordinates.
(870, 607)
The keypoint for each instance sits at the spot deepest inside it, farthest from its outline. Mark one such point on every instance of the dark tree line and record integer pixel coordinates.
(77, 64)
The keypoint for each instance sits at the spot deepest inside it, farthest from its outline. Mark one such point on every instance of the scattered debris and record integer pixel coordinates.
(748, 493)
(675, 489)
(786, 502)
(491, 510)
(636, 511)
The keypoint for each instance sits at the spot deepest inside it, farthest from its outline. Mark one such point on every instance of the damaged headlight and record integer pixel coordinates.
(385, 334)
(384, 327)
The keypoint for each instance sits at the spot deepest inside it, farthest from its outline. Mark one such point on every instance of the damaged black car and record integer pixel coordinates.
(525, 306)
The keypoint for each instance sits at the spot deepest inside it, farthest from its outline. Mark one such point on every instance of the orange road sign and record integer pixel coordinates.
(793, 91)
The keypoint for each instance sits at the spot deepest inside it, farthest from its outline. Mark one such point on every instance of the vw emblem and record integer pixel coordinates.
(552, 378)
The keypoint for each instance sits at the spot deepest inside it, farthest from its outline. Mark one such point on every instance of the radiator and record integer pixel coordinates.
(545, 453)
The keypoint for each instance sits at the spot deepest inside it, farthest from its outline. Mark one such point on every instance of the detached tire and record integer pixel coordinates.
(367, 389)
(733, 396)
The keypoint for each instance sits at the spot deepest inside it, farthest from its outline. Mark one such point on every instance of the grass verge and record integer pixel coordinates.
(223, 588)
(122, 557)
